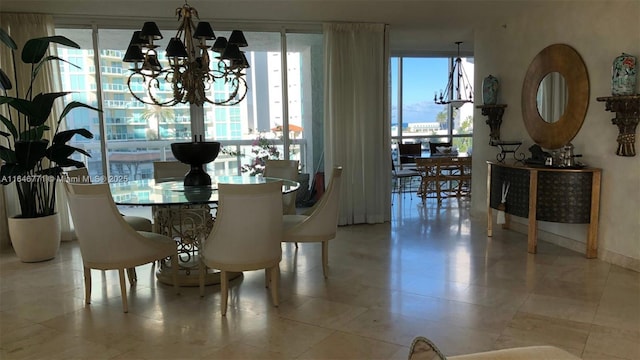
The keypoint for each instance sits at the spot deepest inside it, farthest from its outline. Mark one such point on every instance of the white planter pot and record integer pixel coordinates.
(36, 239)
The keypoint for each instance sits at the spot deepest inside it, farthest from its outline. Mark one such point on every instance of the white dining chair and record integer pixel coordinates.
(288, 170)
(246, 235)
(81, 176)
(320, 224)
(138, 223)
(107, 242)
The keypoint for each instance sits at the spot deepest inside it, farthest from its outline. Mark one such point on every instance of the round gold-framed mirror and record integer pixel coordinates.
(566, 61)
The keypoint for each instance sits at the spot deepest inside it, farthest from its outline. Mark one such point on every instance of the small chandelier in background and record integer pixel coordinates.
(459, 90)
(188, 76)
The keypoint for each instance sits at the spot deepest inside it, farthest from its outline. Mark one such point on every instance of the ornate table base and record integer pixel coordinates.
(188, 225)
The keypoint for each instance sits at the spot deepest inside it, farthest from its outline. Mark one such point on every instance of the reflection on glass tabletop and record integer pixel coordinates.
(148, 192)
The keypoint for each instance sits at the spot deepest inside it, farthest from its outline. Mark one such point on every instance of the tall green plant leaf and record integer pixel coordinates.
(5, 82)
(6, 99)
(57, 151)
(22, 105)
(9, 125)
(7, 40)
(42, 105)
(35, 133)
(67, 163)
(34, 49)
(8, 155)
(64, 136)
(30, 153)
(36, 70)
(75, 104)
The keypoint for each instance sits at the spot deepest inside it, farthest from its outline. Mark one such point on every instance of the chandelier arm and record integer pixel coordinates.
(467, 82)
(230, 100)
(178, 90)
(131, 91)
(446, 97)
(154, 99)
(458, 68)
(241, 84)
(239, 87)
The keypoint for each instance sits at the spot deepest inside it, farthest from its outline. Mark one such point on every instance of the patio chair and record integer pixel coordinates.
(408, 154)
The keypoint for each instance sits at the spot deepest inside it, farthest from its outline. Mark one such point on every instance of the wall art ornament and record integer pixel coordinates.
(490, 86)
(624, 75)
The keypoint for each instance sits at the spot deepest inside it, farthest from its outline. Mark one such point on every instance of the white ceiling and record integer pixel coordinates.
(417, 26)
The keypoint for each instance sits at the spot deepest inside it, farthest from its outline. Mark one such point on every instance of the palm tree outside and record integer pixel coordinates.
(156, 115)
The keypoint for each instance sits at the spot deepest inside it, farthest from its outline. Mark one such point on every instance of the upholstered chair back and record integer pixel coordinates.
(288, 170)
(106, 240)
(248, 228)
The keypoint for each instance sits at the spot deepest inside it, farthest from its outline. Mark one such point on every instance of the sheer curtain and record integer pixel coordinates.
(23, 27)
(357, 119)
(552, 97)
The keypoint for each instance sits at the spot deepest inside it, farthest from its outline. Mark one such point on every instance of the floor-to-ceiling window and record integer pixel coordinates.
(415, 117)
(277, 118)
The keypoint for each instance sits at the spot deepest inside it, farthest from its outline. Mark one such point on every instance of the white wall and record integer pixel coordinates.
(599, 31)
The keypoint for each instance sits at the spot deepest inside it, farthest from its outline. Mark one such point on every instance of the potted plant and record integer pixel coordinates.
(30, 160)
(263, 149)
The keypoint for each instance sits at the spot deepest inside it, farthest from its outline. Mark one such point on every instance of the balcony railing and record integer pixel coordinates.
(113, 87)
(112, 70)
(126, 155)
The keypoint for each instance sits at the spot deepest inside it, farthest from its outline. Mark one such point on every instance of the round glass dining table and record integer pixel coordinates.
(149, 192)
(185, 214)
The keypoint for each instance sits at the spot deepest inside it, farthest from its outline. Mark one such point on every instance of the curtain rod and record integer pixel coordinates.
(134, 22)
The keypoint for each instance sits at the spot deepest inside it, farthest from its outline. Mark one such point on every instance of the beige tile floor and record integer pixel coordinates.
(431, 271)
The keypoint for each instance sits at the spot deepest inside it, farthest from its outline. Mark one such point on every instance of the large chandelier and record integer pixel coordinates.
(458, 91)
(189, 76)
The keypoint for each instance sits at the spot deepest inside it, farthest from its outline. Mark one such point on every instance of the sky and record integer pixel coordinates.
(423, 77)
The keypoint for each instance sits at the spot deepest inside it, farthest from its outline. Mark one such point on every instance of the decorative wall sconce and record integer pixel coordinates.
(627, 109)
(494, 112)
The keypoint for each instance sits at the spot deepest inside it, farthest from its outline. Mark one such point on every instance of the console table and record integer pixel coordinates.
(547, 194)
